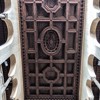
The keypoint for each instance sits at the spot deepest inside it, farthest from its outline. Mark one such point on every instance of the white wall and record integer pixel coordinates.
(90, 49)
(12, 49)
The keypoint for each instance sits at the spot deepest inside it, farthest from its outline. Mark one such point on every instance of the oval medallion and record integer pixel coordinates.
(51, 41)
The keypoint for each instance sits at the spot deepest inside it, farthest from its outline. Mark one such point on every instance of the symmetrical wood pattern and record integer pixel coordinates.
(51, 34)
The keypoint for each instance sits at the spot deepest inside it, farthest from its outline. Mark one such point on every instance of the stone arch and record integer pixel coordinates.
(12, 66)
(7, 4)
(95, 29)
(14, 89)
(90, 67)
(96, 4)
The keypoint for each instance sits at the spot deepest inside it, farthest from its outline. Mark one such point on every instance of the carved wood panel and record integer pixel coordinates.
(51, 34)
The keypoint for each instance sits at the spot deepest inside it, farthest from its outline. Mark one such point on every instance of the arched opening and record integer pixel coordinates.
(95, 29)
(6, 68)
(95, 89)
(3, 27)
(9, 68)
(2, 6)
(3, 32)
(9, 90)
(98, 32)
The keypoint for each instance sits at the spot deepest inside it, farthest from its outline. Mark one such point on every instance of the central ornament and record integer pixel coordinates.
(51, 41)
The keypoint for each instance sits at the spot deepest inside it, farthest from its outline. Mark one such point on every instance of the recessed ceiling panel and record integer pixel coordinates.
(51, 34)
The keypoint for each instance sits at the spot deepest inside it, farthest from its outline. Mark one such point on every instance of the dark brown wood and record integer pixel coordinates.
(51, 35)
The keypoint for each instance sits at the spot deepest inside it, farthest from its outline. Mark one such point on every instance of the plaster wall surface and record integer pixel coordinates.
(90, 47)
(12, 49)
